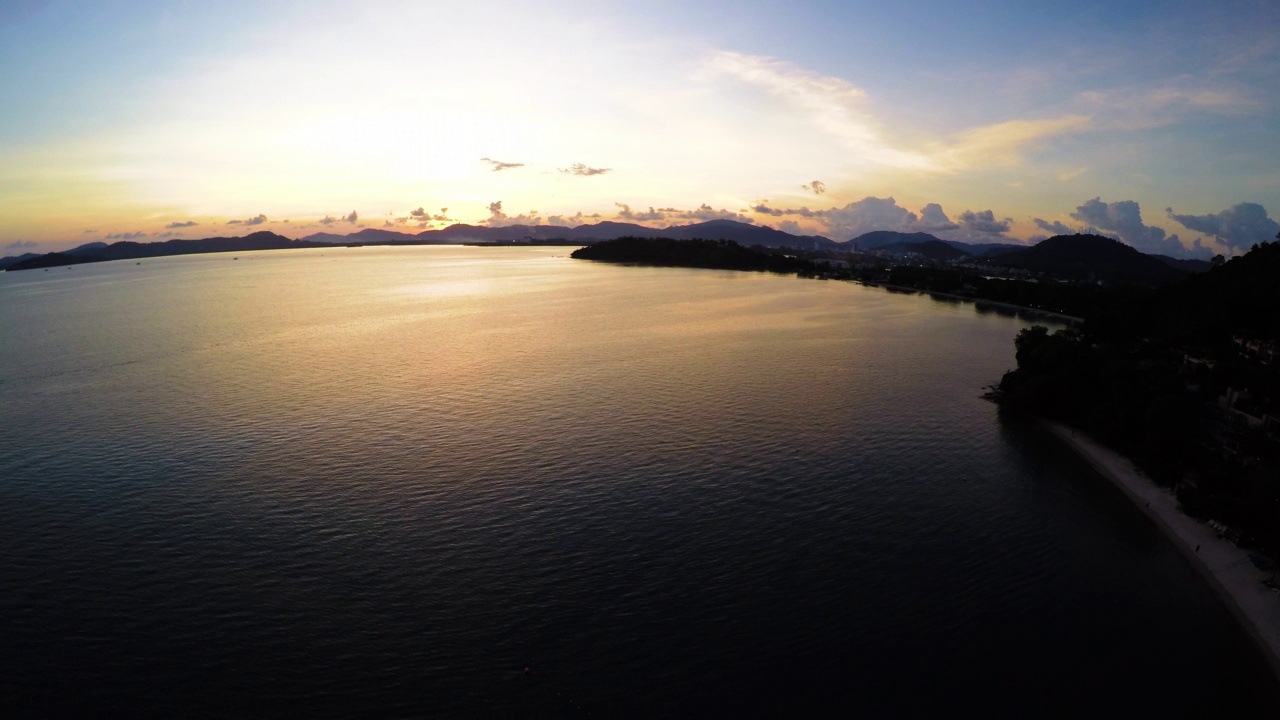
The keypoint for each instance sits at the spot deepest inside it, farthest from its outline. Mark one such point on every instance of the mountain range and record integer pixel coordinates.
(1076, 256)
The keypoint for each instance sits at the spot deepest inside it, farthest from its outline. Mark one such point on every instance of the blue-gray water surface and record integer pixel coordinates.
(369, 482)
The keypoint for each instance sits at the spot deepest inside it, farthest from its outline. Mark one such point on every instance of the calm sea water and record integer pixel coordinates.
(376, 482)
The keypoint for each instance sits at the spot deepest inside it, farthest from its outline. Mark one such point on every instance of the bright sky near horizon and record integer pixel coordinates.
(1155, 123)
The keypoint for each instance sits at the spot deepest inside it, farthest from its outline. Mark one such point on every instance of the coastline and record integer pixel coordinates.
(1226, 568)
(1070, 319)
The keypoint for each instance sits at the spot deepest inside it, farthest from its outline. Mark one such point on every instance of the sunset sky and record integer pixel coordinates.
(1156, 123)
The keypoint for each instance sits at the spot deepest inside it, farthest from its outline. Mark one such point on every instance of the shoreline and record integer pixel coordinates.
(1069, 319)
(1226, 568)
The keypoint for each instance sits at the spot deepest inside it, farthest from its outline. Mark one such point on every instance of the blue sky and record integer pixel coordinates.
(997, 121)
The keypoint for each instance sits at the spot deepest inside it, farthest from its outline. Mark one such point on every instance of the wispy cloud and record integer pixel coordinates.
(499, 166)
(1005, 143)
(176, 225)
(832, 103)
(20, 246)
(817, 187)
(583, 170)
(843, 111)
(1131, 108)
(255, 220)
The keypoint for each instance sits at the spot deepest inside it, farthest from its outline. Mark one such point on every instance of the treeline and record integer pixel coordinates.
(1166, 380)
(717, 254)
(1077, 300)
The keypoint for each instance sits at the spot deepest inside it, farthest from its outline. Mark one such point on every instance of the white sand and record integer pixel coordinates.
(1224, 566)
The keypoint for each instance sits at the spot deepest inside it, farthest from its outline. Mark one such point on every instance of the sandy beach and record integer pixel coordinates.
(1226, 568)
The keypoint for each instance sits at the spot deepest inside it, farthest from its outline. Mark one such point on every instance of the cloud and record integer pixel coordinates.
(626, 213)
(817, 187)
(984, 221)
(328, 220)
(498, 218)
(1003, 144)
(125, 236)
(793, 227)
(1141, 108)
(702, 213)
(583, 170)
(498, 165)
(1238, 227)
(255, 220)
(175, 225)
(352, 217)
(866, 215)
(1124, 220)
(831, 103)
(706, 213)
(933, 219)
(872, 213)
(1055, 227)
(20, 246)
(839, 109)
(572, 220)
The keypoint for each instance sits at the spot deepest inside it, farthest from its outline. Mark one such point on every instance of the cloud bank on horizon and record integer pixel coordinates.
(169, 118)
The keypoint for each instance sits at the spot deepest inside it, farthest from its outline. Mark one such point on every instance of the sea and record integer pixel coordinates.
(457, 481)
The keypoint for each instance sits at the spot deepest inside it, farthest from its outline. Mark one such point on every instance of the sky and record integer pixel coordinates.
(1154, 123)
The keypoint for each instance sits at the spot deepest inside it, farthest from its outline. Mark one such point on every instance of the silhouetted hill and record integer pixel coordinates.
(880, 238)
(1088, 258)
(697, 253)
(129, 250)
(747, 235)
(369, 236)
(88, 248)
(610, 230)
(985, 249)
(1240, 296)
(1185, 264)
(7, 262)
(931, 249)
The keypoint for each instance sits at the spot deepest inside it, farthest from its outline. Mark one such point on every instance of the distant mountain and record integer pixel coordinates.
(1187, 264)
(741, 233)
(931, 249)
(1089, 257)
(880, 238)
(371, 236)
(129, 250)
(986, 249)
(610, 230)
(87, 248)
(696, 253)
(746, 235)
(7, 262)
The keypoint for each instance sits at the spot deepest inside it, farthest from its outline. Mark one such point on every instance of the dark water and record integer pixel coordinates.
(382, 482)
